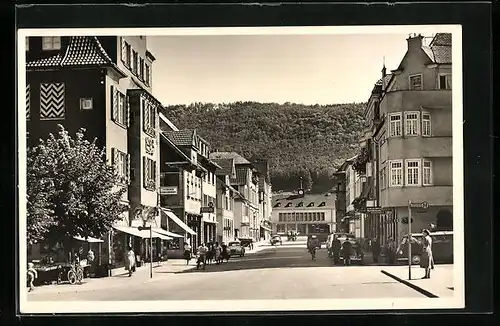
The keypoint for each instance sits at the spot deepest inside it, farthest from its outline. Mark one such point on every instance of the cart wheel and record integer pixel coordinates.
(72, 277)
(79, 275)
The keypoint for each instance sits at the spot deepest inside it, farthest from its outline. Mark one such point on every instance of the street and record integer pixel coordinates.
(286, 272)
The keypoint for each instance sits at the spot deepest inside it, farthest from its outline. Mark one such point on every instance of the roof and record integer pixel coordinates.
(317, 199)
(183, 137)
(227, 166)
(241, 176)
(441, 39)
(238, 159)
(439, 49)
(175, 148)
(80, 51)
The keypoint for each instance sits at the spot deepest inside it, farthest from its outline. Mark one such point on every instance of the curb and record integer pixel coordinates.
(411, 285)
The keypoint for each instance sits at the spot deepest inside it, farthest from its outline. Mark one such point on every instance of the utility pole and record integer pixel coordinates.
(409, 239)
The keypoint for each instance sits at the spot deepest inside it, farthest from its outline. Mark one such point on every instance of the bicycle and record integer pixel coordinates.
(75, 274)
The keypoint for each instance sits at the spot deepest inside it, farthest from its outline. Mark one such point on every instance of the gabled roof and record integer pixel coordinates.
(238, 159)
(165, 139)
(227, 167)
(80, 52)
(183, 137)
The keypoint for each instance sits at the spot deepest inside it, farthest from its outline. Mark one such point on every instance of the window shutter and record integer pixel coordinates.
(114, 104)
(145, 114)
(145, 171)
(28, 95)
(114, 157)
(128, 169)
(154, 172)
(124, 50)
(128, 110)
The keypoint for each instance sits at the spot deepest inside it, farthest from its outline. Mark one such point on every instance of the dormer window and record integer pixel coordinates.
(277, 205)
(300, 204)
(322, 204)
(288, 205)
(311, 204)
(416, 83)
(51, 43)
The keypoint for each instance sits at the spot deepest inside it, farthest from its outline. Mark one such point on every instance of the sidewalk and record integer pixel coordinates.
(120, 279)
(439, 285)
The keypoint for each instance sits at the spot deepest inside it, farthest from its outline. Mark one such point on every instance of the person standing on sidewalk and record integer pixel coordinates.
(346, 252)
(391, 251)
(427, 260)
(375, 250)
(202, 254)
(336, 247)
(187, 253)
(32, 275)
(130, 261)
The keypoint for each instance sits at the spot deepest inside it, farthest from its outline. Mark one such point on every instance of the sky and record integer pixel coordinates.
(308, 69)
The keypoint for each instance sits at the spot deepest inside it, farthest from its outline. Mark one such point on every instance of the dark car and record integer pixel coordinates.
(442, 247)
(357, 254)
(276, 239)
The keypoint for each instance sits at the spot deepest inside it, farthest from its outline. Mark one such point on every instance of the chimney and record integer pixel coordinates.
(414, 41)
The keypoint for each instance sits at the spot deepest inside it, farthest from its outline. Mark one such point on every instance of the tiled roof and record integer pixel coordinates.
(439, 50)
(238, 159)
(317, 199)
(226, 165)
(81, 51)
(441, 39)
(442, 54)
(241, 176)
(181, 138)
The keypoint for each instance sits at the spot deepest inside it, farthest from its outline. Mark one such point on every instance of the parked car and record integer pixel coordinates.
(341, 236)
(236, 248)
(246, 242)
(276, 239)
(442, 247)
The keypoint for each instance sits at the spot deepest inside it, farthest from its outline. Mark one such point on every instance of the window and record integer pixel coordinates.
(147, 75)
(149, 115)
(412, 172)
(27, 45)
(416, 82)
(120, 108)
(396, 173)
(141, 68)
(277, 205)
(383, 181)
(322, 216)
(121, 163)
(427, 173)
(51, 43)
(128, 55)
(134, 62)
(150, 174)
(395, 124)
(426, 124)
(411, 123)
(86, 103)
(445, 81)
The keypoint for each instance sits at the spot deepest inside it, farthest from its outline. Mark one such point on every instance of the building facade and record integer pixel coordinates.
(306, 215)
(407, 146)
(265, 198)
(102, 84)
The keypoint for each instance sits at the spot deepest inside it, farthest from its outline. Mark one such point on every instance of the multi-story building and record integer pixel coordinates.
(102, 84)
(265, 198)
(246, 183)
(308, 214)
(226, 195)
(408, 144)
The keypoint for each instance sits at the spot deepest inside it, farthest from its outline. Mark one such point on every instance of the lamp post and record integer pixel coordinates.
(145, 217)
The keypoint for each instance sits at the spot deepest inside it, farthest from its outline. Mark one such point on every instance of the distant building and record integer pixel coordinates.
(407, 147)
(308, 214)
(265, 198)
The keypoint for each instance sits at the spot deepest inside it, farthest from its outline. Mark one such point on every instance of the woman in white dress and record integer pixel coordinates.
(426, 260)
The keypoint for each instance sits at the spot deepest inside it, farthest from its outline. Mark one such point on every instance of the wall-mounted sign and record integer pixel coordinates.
(207, 209)
(168, 190)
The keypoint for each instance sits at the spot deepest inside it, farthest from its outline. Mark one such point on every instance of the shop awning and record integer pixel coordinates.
(89, 239)
(266, 228)
(169, 235)
(178, 221)
(161, 236)
(136, 232)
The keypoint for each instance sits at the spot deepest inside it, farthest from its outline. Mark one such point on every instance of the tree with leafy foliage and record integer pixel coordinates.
(71, 189)
(292, 137)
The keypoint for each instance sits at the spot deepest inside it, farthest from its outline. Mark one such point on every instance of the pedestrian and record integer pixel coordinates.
(218, 250)
(427, 260)
(346, 252)
(130, 261)
(336, 247)
(90, 260)
(187, 253)
(202, 254)
(392, 251)
(32, 275)
(375, 250)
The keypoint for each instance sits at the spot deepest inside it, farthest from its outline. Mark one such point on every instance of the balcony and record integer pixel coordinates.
(434, 195)
(414, 147)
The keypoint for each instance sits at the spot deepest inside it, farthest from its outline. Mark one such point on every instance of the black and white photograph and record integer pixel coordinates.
(240, 169)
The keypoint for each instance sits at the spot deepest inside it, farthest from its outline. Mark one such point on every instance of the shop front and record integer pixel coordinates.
(180, 232)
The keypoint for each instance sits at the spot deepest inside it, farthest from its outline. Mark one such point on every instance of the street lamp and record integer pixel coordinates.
(145, 217)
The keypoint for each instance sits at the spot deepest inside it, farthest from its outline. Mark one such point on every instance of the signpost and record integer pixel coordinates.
(423, 205)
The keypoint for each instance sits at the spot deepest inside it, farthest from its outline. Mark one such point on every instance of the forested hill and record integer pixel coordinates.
(298, 140)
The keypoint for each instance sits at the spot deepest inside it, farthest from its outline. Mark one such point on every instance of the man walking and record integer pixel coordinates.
(375, 250)
(346, 252)
(336, 247)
